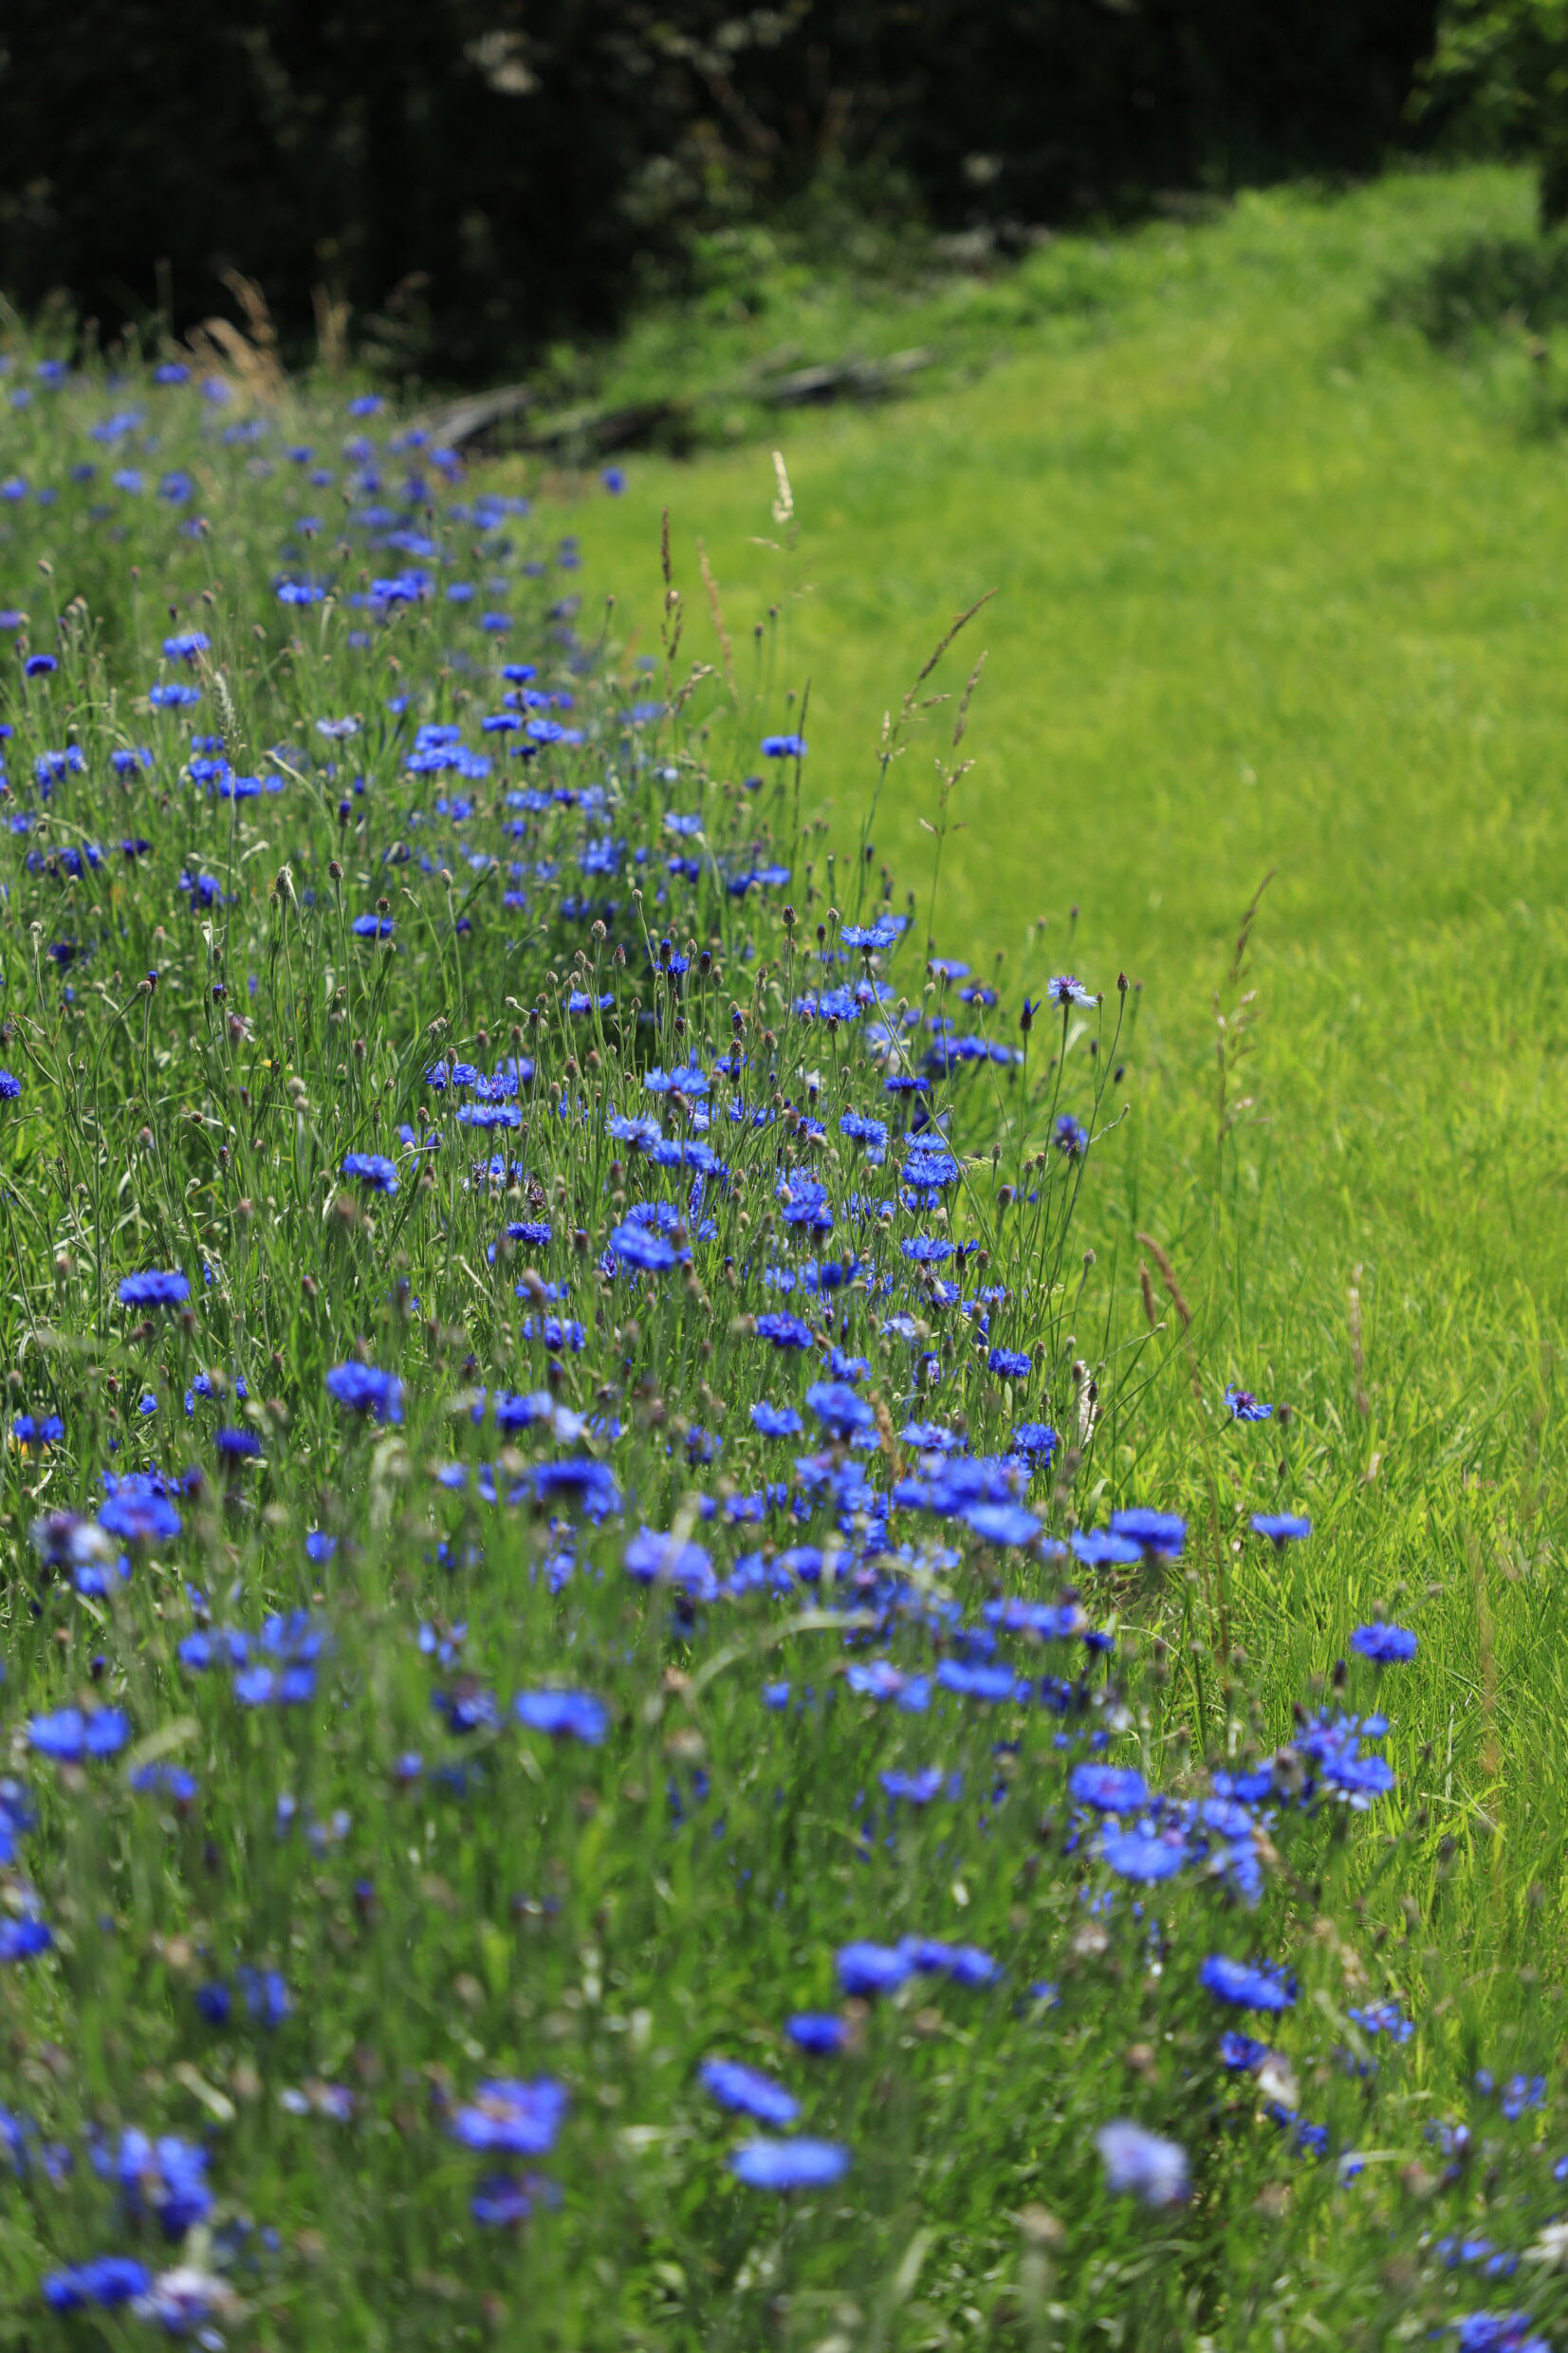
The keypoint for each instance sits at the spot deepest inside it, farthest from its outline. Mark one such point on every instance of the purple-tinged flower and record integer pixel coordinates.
(1243, 1406)
(1142, 2164)
(1065, 988)
(512, 2119)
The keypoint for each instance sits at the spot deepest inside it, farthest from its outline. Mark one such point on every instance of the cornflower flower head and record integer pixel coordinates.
(1142, 2164)
(786, 2165)
(366, 1389)
(154, 1289)
(1385, 1645)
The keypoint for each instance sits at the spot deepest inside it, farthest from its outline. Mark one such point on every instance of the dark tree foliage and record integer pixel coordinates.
(477, 176)
(1500, 79)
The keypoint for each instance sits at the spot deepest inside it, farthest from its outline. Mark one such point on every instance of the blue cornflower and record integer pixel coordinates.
(103, 2279)
(614, 480)
(38, 1429)
(1066, 989)
(1141, 2164)
(532, 1230)
(1012, 1362)
(372, 927)
(500, 2201)
(237, 1445)
(565, 1714)
(166, 2177)
(1160, 1532)
(266, 1996)
(1136, 1855)
(1243, 1406)
(1071, 1136)
(748, 2092)
(510, 2118)
(39, 665)
(1244, 2053)
(373, 1169)
(790, 2164)
(1386, 1646)
(1383, 2018)
(1001, 1523)
(837, 1407)
(154, 1289)
(166, 1781)
(784, 746)
(776, 1421)
(9, 1086)
(965, 1964)
(1036, 1441)
(1109, 1789)
(23, 1941)
(1244, 1985)
(69, 1735)
(1281, 1527)
(784, 1331)
(365, 1389)
(637, 1246)
(822, 2033)
(137, 1510)
(927, 1250)
(866, 1969)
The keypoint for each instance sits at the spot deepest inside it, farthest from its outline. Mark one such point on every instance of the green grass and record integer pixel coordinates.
(1278, 591)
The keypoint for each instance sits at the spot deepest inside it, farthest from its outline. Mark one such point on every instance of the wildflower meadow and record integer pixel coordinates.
(655, 1692)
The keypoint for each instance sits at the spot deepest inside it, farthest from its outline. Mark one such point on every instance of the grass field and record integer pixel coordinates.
(559, 1794)
(1279, 591)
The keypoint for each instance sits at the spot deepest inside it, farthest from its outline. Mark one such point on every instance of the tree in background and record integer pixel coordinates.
(1500, 73)
(467, 180)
